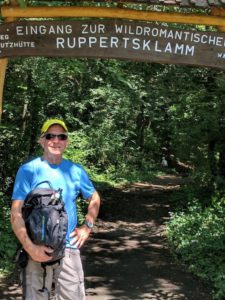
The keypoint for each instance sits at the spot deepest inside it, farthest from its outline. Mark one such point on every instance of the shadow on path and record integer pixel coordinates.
(127, 256)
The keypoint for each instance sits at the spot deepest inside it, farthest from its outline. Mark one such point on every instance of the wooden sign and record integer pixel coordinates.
(133, 40)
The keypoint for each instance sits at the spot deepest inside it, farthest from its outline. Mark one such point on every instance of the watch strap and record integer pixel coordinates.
(89, 224)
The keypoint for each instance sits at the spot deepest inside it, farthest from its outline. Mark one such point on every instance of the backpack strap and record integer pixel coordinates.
(45, 181)
(24, 286)
(44, 289)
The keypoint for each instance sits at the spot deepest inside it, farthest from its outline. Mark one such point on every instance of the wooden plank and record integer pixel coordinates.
(4, 62)
(104, 12)
(3, 66)
(133, 40)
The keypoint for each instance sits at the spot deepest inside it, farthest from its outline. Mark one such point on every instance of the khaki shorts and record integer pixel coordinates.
(68, 279)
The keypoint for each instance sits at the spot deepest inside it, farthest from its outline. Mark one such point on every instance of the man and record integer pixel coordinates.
(71, 177)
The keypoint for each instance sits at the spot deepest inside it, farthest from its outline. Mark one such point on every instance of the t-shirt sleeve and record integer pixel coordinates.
(21, 185)
(86, 186)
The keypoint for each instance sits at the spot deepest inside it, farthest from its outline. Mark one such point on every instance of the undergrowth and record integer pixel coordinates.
(196, 236)
(9, 242)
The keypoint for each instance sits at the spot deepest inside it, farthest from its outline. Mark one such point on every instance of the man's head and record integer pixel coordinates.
(54, 139)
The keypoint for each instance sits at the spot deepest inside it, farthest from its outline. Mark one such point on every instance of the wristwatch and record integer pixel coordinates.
(89, 224)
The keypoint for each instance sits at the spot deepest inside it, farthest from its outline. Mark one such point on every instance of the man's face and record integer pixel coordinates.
(54, 146)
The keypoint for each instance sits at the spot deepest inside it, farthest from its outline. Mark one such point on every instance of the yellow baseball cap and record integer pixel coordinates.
(51, 122)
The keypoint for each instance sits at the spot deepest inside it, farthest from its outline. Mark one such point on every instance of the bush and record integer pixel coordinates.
(13, 151)
(9, 242)
(197, 237)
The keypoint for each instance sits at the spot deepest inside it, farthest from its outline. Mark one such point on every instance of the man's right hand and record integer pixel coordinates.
(40, 253)
(37, 253)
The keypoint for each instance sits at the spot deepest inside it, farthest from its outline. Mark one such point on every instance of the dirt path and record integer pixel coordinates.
(127, 257)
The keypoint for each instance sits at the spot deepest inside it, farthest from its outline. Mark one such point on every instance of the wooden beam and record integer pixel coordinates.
(3, 67)
(119, 13)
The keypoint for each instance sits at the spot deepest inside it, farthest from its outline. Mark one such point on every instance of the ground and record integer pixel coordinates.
(127, 257)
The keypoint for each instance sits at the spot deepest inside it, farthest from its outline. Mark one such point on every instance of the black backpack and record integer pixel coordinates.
(46, 219)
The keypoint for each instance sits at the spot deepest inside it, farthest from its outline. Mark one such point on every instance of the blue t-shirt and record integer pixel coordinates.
(68, 176)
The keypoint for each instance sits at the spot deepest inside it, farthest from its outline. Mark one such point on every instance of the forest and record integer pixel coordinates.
(124, 117)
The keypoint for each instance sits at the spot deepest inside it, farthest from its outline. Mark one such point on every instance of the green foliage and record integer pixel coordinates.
(81, 151)
(118, 105)
(8, 243)
(78, 149)
(197, 237)
(11, 139)
(81, 210)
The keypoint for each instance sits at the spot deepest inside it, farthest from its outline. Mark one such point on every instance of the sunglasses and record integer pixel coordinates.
(52, 136)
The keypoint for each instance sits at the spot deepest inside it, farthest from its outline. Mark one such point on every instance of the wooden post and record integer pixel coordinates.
(3, 65)
(105, 12)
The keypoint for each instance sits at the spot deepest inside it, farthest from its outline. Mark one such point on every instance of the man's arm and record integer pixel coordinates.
(93, 207)
(36, 252)
(81, 234)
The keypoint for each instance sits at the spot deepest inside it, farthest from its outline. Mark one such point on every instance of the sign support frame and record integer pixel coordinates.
(118, 13)
(4, 63)
(3, 67)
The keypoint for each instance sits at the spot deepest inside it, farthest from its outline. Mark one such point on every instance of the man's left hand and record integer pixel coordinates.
(80, 235)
